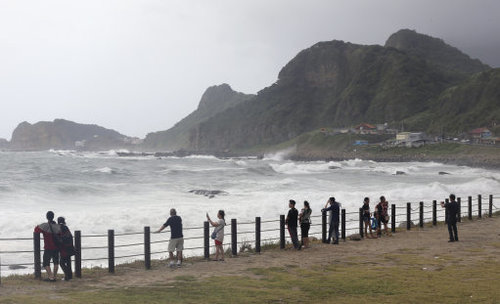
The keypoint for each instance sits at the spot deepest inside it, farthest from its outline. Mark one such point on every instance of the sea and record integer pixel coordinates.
(99, 191)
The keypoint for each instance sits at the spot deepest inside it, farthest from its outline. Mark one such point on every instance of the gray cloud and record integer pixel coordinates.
(140, 66)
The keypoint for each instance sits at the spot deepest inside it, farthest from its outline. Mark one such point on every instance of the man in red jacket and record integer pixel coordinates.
(51, 252)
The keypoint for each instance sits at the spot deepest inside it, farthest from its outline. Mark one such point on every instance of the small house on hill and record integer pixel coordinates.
(482, 136)
(411, 139)
(365, 128)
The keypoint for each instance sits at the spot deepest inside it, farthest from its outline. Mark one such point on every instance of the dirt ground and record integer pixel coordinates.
(479, 240)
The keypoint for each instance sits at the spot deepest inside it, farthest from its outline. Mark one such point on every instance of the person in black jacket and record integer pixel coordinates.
(66, 249)
(291, 221)
(452, 212)
(334, 219)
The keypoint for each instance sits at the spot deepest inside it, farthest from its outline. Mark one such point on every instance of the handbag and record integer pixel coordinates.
(214, 234)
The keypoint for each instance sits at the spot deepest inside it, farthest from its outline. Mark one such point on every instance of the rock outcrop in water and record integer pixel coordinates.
(209, 193)
(64, 134)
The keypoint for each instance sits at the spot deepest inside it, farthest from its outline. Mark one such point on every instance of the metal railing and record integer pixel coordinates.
(263, 231)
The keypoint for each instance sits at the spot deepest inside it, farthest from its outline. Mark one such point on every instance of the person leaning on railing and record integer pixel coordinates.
(51, 251)
(176, 237)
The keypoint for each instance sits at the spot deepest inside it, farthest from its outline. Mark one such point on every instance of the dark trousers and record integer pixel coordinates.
(65, 263)
(292, 230)
(334, 227)
(452, 228)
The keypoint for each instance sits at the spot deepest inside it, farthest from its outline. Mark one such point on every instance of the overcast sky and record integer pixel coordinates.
(140, 66)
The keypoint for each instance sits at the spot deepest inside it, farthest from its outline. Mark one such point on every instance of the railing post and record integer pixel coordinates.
(206, 239)
(421, 221)
(446, 211)
(343, 224)
(408, 216)
(393, 218)
(111, 251)
(361, 222)
(78, 253)
(257, 234)
(323, 227)
(37, 258)
(470, 208)
(479, 206)
(490, 208)
(459, 201)
(234, 237)
(282, 231)
(434, 212)
(147, 247)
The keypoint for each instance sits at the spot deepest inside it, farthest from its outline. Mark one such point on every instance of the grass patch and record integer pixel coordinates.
(404, 282)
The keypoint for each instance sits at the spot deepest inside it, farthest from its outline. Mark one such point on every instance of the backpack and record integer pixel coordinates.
(58, 242)
(67, 241)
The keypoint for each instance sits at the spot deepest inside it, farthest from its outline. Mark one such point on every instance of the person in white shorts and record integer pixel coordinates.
(176, 242)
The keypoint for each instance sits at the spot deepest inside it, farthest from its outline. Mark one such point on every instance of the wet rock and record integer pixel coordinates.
(400, 173)
(208, 193)
(355, 237)
(333, 167)
(443, 173)
(16, 267)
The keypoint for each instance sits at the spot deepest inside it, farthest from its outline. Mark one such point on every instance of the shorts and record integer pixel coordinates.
(304, 229)
(384, 219)
(366, 219)
(50, 255)
(176, 244)
(217, 242)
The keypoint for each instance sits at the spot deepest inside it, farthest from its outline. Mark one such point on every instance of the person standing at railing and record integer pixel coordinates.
(334, 219)
(218, 235)
(452, 212)
(176, 242)
(305, 223)
(51, 251)
(67, 249)
(382, 216)
(291, 222)
(367, 216)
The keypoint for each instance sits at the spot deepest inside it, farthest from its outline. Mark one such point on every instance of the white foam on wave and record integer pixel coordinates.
(107, 170)
(303, 168)
(279, 155)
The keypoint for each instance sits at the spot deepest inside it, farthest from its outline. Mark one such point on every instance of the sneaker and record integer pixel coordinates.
(171, 264)
(179, 264)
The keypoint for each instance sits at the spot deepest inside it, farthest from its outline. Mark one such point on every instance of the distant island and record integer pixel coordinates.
(64, 134)
(415, 98)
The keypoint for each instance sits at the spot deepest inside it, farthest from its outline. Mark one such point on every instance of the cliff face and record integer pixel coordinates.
(63, 134)
(216, 99)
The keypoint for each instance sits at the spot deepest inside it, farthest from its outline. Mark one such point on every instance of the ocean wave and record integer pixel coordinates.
(279, 155)
(303, 168)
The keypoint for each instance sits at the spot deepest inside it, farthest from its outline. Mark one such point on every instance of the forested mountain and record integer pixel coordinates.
(338, 84)
(216, 99)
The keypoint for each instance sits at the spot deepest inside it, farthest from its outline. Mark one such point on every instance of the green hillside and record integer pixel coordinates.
(471, 104)
(415, 79)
